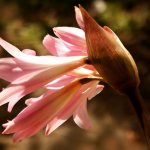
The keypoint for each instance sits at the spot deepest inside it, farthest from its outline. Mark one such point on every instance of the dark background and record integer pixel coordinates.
(24, 23)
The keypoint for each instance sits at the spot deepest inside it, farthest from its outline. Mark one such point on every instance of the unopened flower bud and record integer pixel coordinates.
(108, 55)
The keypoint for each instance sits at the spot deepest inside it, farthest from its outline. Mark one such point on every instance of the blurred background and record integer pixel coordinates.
(24, 23)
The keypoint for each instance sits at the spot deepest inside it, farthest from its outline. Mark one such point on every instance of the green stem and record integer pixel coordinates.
(141, 111)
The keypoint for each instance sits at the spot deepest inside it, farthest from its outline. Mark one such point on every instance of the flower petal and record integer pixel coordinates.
(9, 70)
(32, 81)
(29, 52)
(33, 62)
(12, 93)
(50, 73)
(67, 111)
(58, 48)
(74, 36)
(43, 110)
(79, 17)
(81, 116)
(54, 124)
(55, 46)
(96, 90)
(60, 82)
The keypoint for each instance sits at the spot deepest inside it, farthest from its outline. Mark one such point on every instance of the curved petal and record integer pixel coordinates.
(55, 46)
(67, 111)
(81, 116)
(72, 35)
(20, 135)
(54, 124)
(9, 70)
(96, 90)
(60, 82)
(81, 72)
(50, 73)
(58, 48)
(79, 17)
(42, 111)
(52, 109)
(32, 81)
(33, 62)
(12, 93)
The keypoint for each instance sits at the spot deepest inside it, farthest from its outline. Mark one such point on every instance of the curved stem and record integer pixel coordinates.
(141, 111)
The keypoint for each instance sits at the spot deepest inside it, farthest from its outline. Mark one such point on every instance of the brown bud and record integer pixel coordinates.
(108, 55)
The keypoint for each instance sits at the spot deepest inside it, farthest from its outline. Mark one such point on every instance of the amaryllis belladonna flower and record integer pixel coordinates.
(69, 81)
(68, 77)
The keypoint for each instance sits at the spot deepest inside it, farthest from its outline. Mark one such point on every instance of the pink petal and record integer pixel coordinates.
(54, 124)
(43, 110)
(20, 135)
(29, 52)
(9, 70)
(12, 93)
(95, 91)
(30, 101)
(74, 36)
(58, 48)
(81, 116)
(60, 82)
(55, 46)
(79, 17)
(50, 73)
(33, 62)
(32, 81)
(54, 108)
(68, 109)
(81, 72)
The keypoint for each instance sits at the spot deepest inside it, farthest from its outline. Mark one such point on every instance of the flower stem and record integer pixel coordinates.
(141, 111)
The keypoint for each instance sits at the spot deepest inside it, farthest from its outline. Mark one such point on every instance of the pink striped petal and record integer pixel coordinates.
(95, 91)
(67, 111)
(74, 36)
(43, 110)
(33, 62)
(58, 48)
(55, 46)
(79, 17)
(60, 82)
(81, 72)
(12, 93)
(20, 135)
(50, 73)
(81, 116)
(52, 109)
(9, 70)
(54, 124)
(32, 81)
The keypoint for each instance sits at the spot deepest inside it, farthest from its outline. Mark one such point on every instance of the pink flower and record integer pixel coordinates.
(68, 79)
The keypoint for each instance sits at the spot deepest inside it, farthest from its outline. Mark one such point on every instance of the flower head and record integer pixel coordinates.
(66, 77)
